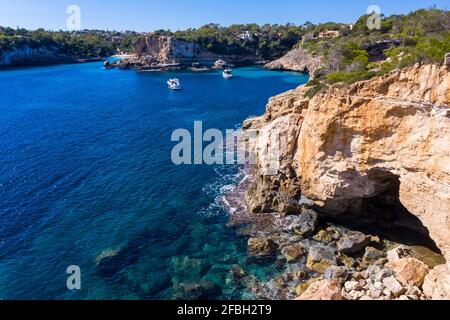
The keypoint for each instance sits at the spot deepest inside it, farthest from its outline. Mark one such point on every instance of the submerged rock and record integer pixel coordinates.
(237, 272)
(204, 290)
(106, 254)
(186, 269)
(353, 242)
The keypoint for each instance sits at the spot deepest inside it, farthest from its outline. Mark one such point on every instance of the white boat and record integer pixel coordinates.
(174, 84)
(227, 73)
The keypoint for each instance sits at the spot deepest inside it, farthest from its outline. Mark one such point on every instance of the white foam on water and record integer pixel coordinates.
(227, 183)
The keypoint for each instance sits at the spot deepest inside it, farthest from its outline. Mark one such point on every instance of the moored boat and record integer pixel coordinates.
(227, 73)
(174, 84)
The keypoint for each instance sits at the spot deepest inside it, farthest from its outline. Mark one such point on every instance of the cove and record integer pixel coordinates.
(87, 180)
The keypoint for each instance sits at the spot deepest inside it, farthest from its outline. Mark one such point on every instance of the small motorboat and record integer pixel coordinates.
(228, 73)
(174, 84)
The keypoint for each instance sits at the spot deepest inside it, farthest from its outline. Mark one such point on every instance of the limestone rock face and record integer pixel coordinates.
(323, 290)
(167, 49)
(437, 283)
(296, 60)
(388, 135)
(34, 56)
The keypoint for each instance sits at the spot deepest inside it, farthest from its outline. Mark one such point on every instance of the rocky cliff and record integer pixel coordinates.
(377, 149)
(169, 50)
(296, 60)
(34, 56)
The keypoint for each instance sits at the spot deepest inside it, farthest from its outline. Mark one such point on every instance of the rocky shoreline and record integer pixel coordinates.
(347, 155)
(36, 57)
(296, 60)
(166, 53)
(321, 259)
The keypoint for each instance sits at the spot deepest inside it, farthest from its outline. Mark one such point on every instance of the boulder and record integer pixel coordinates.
(323, 290)
(382, 274)
(262, 248)
(321, 258)
(293, 253)
(398, 253)
(304, 286)
(323, 236)
(107, 64)
(337, 273)
(352, 286)
(305, 224)
(409, 271)
(237, 273)
(353, 242)
(347, 261)
(372, 255)
(393, 286)
(437, 283)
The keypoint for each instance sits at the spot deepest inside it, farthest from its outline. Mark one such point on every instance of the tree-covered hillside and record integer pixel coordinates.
(402, 40)
(91, 43)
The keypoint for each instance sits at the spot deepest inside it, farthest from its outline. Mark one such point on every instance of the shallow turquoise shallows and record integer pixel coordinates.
(86, 173)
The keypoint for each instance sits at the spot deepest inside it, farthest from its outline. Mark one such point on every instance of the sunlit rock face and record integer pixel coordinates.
(297, 60)
(168, 49)
(353, 147)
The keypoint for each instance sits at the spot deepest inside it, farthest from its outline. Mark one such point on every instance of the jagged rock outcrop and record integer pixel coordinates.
(34, 56)
(296, 60)
(385, 140)
(169, 50)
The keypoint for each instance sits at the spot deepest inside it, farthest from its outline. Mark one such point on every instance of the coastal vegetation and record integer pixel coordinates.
(357, 53)
(92, 43)
(360, 54)
(267, 41)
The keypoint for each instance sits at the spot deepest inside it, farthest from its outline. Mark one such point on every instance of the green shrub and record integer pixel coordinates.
(315, 90)
(349, 77)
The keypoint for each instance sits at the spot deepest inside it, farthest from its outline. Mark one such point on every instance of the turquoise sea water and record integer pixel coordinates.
(86, 169)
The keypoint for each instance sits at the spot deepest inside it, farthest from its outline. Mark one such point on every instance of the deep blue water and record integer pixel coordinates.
(85, 167)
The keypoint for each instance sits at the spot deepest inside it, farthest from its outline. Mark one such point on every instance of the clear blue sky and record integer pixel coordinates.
(148, 15)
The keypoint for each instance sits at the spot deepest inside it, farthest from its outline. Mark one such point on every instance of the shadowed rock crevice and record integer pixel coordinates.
(383, 214)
